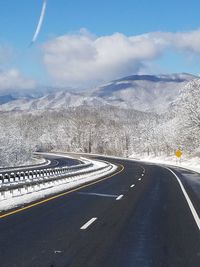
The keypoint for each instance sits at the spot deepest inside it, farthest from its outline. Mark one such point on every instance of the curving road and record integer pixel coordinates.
(138, 217)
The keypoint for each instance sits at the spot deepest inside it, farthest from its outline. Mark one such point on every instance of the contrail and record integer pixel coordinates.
(44, 6)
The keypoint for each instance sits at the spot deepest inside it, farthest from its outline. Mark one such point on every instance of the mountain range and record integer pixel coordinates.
(150, 93)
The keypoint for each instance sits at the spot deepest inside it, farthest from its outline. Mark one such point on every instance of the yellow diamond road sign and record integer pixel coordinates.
(179, 153)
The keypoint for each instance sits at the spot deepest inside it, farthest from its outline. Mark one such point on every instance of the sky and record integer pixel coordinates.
(86, 43)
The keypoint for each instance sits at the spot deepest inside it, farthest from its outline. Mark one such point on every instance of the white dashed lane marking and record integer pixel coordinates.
(119, 197)
(86, 225)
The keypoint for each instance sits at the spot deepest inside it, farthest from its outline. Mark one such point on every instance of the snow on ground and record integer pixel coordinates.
(57, 186)
(188, 163)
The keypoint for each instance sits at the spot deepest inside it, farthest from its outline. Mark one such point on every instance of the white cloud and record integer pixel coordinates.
(13, 80)
(82, 59)
(185, 41)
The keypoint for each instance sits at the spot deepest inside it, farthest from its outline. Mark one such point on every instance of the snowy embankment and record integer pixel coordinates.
(11, 199)
(187, 163)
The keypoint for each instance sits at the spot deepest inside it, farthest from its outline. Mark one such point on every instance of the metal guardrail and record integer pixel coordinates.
(36, 174)
(39, 178)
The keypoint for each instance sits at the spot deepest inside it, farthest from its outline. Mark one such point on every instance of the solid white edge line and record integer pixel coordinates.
(119, 197)
(191, 206)
(86, 225)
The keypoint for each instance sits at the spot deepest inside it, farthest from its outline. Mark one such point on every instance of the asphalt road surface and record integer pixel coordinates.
(139, 217)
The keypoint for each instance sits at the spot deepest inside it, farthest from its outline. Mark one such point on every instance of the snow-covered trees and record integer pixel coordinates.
(105, 129)
(188, 116)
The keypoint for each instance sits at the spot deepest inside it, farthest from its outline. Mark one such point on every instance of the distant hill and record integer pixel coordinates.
(144, 92)
(139, 92)
(6, 98)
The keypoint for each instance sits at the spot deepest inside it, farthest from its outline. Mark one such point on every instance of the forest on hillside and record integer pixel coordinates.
(104, 130)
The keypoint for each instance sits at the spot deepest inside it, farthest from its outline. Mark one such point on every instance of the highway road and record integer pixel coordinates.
(138, 217)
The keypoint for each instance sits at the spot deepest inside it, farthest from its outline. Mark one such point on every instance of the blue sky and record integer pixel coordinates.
(18, 20)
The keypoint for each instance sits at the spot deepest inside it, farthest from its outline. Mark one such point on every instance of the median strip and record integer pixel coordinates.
(16, 193)
(88, 183)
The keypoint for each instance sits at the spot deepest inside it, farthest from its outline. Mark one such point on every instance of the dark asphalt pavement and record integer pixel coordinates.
(151, 225)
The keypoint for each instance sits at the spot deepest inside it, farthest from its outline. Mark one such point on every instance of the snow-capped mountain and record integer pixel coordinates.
(140, 92)
(144, 92)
